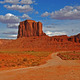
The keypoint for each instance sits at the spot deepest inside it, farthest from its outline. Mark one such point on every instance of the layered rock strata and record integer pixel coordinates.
(30, 28)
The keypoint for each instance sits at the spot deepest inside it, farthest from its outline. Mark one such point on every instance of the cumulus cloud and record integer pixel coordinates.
(68, 12)
(19, 5)
(26, 1)
(59, 33)
(13, 25)
(9, 18)
(45, 14)
(25, 16)
(10, 1)
(18, 1)
(49, 32)
(20, 8)
(55, 33)
(11, 36)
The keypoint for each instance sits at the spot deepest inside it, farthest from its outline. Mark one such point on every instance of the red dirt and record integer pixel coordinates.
(16, 60)
(54, 69)
(42, 43)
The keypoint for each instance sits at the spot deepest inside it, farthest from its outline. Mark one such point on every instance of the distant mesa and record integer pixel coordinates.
(32, 38)
(30, 28)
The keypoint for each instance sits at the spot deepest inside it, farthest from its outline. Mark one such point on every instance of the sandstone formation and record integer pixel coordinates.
(37, 40)
(75, 38)
(30, 28)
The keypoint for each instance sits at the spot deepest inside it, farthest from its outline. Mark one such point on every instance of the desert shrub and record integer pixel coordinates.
(73, 51)
(35, 64)
(13, 65)
(69, 55)
(19, 64)
(5, 65)
(2, 59)
(0, 62)
(25, 59)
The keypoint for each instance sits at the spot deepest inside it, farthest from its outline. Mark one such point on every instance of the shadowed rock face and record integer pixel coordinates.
(75, 38)
(30, 28)
(78, 36)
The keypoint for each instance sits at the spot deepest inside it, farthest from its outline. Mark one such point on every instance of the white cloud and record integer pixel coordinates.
(49, 32)
(18, 1)
(9, 18)
(10, 1)
(45, 14)
(19, 5)
(68, 12)
(25, 16)
(26, 2)
(12, 36)
(20, 8)
(13, 25)
(55, 33)
(59, 33)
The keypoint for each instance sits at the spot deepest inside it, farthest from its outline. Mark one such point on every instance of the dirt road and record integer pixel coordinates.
(54, 69)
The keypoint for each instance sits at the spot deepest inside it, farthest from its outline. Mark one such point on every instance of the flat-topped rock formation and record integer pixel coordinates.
(32, 38)
(30, 28)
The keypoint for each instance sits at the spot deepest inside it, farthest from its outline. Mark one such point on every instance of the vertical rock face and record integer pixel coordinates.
(78, 36)
(30, 28)
(75, 38)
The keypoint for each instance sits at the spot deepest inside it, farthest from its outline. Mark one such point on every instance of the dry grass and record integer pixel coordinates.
(21, 58)
(69, 55)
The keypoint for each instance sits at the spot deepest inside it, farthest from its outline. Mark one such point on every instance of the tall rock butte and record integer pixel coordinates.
(30, 28)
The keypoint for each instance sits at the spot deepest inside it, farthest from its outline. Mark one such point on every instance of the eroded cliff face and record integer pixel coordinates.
(78, 36)
(30, 28)
(75, 38)
(37, 40)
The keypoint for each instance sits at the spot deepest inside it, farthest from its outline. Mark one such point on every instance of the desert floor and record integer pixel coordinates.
(54, 69)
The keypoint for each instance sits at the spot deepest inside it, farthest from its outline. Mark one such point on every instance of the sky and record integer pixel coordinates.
(59, 17)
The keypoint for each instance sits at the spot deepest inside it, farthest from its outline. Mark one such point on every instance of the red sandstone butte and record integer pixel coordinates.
(32, 38)
(30, 28)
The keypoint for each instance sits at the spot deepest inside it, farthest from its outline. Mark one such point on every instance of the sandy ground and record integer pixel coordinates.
(54, 69)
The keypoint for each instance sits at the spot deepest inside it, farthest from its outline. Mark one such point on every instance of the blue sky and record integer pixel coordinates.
(59, 17)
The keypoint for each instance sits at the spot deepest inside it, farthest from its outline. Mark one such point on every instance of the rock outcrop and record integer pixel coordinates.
(30, 28)
(78, 36)
(37, 40)
(75, 38)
